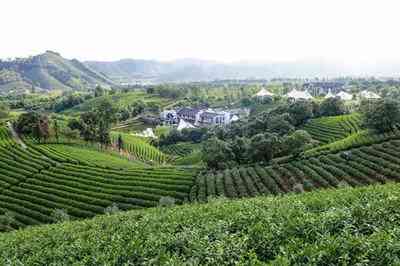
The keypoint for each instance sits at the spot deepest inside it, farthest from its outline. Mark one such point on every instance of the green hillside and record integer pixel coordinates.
(85, 155)
(120, 100)
(332, 227)
(140, 148)
(367, 165)
(332, 128)
(39, 179)
(48, 71)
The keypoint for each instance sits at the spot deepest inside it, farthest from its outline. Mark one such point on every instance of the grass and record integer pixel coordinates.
(332, 227)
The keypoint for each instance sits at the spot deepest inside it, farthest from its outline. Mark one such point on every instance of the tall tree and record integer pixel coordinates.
(120, 143)
(332, 106)
(106, 115)
(382, 115)
(56, 129)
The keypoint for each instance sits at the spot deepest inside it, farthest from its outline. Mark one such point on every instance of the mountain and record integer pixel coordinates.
(48, 71)
(131, 70)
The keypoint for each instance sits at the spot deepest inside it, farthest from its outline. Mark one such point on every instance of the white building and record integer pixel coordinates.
(169, 116)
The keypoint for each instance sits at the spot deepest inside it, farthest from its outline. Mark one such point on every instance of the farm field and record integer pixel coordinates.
(360, 224)
(34, 184)
(378, 163)
(184, 153)
(333, 128)
(180, 149)
(140, 148)
(355, 140)
(86, 155)
(120, 100)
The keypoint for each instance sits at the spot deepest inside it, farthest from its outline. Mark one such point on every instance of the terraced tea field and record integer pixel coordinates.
(330, 129)
(180, 149)
(378, 163)
(86, 155)
(140, 148)
(34, 183)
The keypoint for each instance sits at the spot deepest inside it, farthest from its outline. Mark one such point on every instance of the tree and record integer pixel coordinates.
(88, 126)
(120, 142)
(27, 122)
(44, 131)
(332, 106)
(106, 115)
(56, 129)
(98, 91)
(217, 154)
(4, 110)
(74, 124)
(382, 115)
(70, 133)
(240, 147)
(300, 112)
(296, 142)
(263, 147)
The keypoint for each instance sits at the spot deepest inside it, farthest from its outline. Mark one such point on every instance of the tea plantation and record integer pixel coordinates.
(332, 128)
(378, 163)
(352, 226)
(39, 179)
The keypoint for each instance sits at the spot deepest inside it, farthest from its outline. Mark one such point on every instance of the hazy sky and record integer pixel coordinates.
(208, 29)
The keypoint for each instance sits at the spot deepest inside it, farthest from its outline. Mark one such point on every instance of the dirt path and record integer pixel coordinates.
(15, 135)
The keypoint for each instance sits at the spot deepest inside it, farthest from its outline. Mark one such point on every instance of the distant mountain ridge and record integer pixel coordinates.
(130, 70)
(48, 71)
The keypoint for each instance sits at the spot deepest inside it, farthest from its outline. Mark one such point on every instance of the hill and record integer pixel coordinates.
(47, 71)
(185, 70)
(331, 227)
(120, 100)
(40, 179)
(378, 163)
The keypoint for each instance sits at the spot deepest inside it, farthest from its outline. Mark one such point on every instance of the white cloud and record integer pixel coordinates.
(352, 30)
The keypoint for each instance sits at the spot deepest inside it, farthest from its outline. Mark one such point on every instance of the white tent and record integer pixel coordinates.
(344, 96)
(183, 124)
(369, 95)
(329, 95)
(234, 118)
(147, 133)
(264, 93)
(297, 95)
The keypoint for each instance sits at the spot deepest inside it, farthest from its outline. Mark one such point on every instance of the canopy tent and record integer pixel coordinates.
(344, 96)
(147, 133)
(329, 95)
(369, 95)
(264, 93)
(183, 124)
(297, 95)
(234, 118)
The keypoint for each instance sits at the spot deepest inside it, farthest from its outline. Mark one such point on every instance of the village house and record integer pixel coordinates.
(201, 117)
